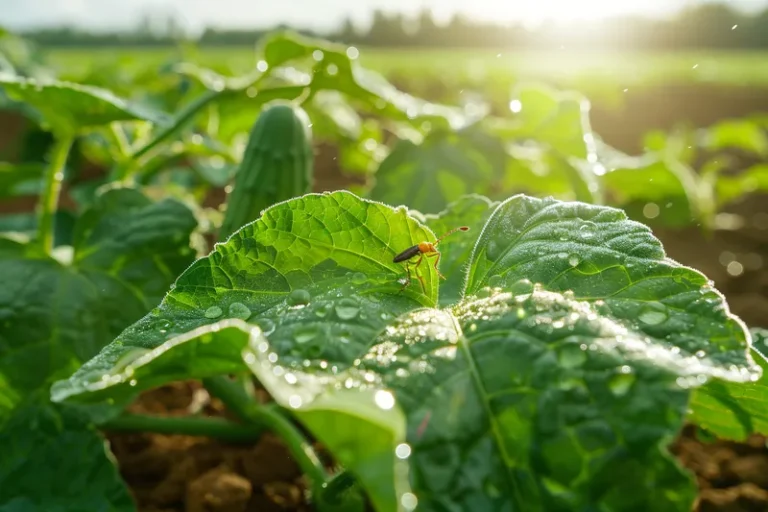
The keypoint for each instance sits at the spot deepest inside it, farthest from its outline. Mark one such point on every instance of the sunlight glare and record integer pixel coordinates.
(563, 11)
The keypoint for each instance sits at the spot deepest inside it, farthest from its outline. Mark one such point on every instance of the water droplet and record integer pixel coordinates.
(213, 312)
(495, 281)
(305, 334)
(295, 401)
(700, 354)
(621, 383)
(653, 313)
(409, 501)
(299, 297)
(384, 399)
(347, 309)
(735, 269)
(574, 260)
(587, 230)
(521, 287)
(239, 310)
(571, 356)
(132, 382)
(358, 278)
(403, 451)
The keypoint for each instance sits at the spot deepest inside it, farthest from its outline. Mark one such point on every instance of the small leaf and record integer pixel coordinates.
(68, 107)
(736, 133)
(52, 460)
(730, 188)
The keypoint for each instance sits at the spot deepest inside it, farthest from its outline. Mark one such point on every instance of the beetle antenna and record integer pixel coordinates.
(460, 228)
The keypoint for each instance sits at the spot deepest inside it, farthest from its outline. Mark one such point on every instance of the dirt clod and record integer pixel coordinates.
(218, 490)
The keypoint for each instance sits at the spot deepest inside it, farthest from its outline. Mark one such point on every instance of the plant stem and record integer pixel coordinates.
(333, 493)
(49, 200)
(192, 426)
(235, 398)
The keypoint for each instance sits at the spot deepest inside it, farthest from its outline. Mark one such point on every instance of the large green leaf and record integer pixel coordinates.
(54, 315)
(600, 256)
(557, 396)
(53, 460)
(68, 107)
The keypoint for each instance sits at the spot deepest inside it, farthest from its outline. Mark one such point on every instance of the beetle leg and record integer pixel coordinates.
(437, 260)
(419, 276)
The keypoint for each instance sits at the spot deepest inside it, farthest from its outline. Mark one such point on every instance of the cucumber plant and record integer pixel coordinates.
(572, 354)
(547, 372)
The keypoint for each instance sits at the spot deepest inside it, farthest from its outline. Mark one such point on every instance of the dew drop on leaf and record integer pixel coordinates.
(267, 326)
(522, 287)
(573, 260)
(384, 399)
(213, 312)
(587, 230)
(409, 501)
(132, 382)
(358, 278)
(620, 383)
(403, 451)
(571, 356)
(495, 281)
(322, 309)
(239, 310)
(299, 297)
(347, 309)
(653, 313)
(305, 334)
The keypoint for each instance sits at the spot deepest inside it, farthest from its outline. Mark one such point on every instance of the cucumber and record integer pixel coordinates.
(277, 165)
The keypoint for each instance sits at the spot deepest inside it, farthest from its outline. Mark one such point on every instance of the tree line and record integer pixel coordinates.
(711, 26)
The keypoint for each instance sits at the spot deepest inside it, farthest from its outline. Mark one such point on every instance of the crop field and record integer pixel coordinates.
(303, 277)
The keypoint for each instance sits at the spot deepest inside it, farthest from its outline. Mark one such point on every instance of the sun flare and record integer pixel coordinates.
(536, 11)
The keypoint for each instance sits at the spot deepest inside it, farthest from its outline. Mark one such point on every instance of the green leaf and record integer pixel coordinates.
(559, 396)
(52, 460)
(68, 107)
(735, 411)
(599, 255)
(558, 119)
(736, 133)
(20, 179)
(444, 167)
(472, 211)
(331, 251)
(355, 420)
(535, 401)
(54, 316)
(733, 187)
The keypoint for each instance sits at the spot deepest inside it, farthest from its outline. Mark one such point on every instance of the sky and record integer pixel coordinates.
(193, 15)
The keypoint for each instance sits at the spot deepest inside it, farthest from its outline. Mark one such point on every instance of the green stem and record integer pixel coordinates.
(337, 487)
(235, 398)
(179, 122)
(191, 426)
(49, 200)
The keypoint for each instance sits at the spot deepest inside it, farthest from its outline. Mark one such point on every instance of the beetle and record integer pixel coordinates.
(423, 249)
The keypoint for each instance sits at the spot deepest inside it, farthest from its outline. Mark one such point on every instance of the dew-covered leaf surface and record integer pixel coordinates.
(599, 255)
(68, 107)
(315, 273)
(535, 402)
(559, 396)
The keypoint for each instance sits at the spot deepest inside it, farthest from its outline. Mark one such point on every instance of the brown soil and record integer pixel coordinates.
(193, 474)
